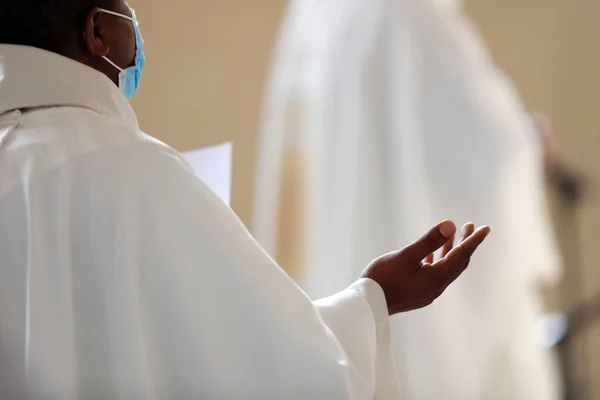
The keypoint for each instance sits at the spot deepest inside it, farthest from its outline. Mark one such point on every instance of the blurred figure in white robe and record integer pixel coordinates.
(381, 118)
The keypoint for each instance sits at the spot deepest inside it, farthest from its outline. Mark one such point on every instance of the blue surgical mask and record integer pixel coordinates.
(129, 78)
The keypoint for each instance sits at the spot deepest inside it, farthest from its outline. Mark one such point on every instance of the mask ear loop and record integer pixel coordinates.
(112, 63)
(132, 19)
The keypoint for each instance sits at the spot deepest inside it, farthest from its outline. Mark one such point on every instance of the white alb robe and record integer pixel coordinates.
(381, 118)
(124, 277)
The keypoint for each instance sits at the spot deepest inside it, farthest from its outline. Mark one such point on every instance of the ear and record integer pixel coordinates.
(94, 34)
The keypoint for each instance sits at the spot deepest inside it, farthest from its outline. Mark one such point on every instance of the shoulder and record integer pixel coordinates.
(148, 187)
(73, 131)
(152, 173)
(59, 138)
(146, 163)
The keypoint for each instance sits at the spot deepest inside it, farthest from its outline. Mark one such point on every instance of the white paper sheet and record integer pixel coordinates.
(213, 165)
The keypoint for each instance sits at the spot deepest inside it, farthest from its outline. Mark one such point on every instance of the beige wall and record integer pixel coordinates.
(207, 60)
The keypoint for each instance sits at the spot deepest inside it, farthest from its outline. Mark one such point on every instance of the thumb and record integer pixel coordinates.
(432, 240)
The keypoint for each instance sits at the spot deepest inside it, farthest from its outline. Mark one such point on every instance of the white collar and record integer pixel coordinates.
(30, 78)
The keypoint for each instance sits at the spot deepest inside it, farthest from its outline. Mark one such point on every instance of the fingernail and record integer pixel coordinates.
(447, 229)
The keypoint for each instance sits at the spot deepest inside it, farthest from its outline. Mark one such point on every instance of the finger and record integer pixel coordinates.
(429, 259)
(458, 258)
(448, 246)
(431, 241)
(466, 231)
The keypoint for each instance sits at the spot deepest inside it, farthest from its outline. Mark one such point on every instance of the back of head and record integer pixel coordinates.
(53, 25)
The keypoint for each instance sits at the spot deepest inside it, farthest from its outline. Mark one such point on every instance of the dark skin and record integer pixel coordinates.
(412, 278)
(105, 35)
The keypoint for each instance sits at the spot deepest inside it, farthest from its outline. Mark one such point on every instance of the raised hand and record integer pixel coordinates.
(411, 278)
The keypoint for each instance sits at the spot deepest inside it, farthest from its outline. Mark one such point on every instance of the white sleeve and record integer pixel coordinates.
(220, 319)
(339, 312)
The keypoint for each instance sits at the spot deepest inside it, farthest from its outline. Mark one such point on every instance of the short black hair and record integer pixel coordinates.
(46, 24)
